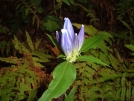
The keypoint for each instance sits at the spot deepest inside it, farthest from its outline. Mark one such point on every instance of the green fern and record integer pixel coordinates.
(18, 84)
(96, 82)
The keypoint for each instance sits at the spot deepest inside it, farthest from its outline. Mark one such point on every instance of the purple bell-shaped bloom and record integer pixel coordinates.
(70, 42)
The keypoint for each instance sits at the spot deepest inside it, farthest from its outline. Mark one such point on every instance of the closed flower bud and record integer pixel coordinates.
(70, 43)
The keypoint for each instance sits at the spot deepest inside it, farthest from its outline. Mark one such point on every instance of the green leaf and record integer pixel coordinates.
(22, 88)
(40, 9)
(29, 41)
(93, 19)
(13, 60)
(91, 59)
(73, 91)
(33, 20)
(42, 56)
(19, 46)
(18, 4)
(36, 64)
(70, 97)
(36, 59)
(123, 89)
(89, 29)
(125, 24)
(37, 44)
(51, 25)
(63, 77)
(66, 2)
(92, 42)
(71, 1)
(128, 93)
(5, 98)
(36, 2)
(40, 59)
(114, 61)
(130, 46)
(54, 41)
(32, 95)
(27, 11)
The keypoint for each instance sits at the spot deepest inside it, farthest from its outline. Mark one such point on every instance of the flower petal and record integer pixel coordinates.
(68, 26)
(66, 42)
(57, 36)
(75, 44)
(81, 37)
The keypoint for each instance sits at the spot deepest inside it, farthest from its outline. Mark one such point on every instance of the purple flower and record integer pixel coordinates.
(70, 42)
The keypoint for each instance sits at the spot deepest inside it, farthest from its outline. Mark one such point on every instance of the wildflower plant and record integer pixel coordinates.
(72, 44)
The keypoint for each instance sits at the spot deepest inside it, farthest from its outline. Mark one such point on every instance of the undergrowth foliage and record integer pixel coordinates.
(20, 80)
(30, 7)
(18, 83)
(97, 82)
(125, 16)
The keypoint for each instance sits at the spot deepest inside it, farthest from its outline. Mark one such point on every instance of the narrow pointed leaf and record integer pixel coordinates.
(91, 59)
(29, 41)
(70, 96)
(130, 46)
(71, 1)
(125, 24)
(54, 41)
(92, 42)
(128, 92)
(63, 77)
(89, 29)
(37, 44)
(12, 60)
(123, 89)
(66, 2)
(19, 46)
